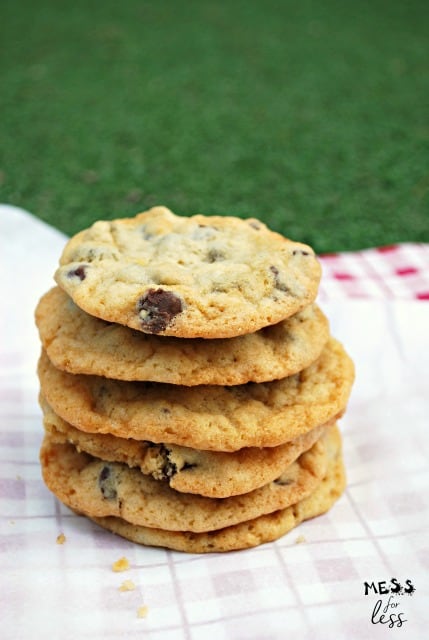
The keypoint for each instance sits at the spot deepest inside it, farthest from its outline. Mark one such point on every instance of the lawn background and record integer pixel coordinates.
(313, 116)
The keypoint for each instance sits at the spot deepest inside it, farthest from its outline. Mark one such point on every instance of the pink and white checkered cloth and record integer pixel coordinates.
(399, 271)
(334, 577)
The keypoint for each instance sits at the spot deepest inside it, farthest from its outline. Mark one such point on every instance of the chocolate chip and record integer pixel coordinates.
(107, 483)
(208, 226)
(277, 282)
(214, 255)
(79, 272)
(147, 235)
(148, 444)
(157, 308)
(300, 252)
(169, 468)
(283, 482)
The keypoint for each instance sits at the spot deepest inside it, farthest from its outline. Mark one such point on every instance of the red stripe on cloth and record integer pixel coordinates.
(343, 276)
(387, 248)
(406, 271)
(423, 296)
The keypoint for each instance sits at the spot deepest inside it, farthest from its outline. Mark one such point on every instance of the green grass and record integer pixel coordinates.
(313, 116)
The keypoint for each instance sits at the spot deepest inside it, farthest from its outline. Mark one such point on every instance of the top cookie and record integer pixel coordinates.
(189, 277)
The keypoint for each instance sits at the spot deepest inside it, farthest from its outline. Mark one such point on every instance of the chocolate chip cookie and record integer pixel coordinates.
(79, 343)
(205, 417)
(98, 488)
(251, 533)
(197, 276)
(214, 474)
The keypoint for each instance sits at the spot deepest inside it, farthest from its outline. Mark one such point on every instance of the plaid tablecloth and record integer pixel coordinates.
(334, 577)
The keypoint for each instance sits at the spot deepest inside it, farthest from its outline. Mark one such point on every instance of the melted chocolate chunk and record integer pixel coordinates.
(277, 282)
(157, 308)
(107, 483)
(169, 468)
(79, 272)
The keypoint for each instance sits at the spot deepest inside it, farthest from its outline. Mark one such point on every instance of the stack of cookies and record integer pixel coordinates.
(189, 383)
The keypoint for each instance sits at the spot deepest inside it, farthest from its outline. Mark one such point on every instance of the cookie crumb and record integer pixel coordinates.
(127, 585)
(142, 611)
(121, 565)
(300, 540)
(61, 538)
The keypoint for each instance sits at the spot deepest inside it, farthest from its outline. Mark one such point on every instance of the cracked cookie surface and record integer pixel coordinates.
(79, 343)
(189, 277)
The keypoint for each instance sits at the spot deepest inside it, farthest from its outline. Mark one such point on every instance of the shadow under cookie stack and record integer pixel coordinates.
(189, 383)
